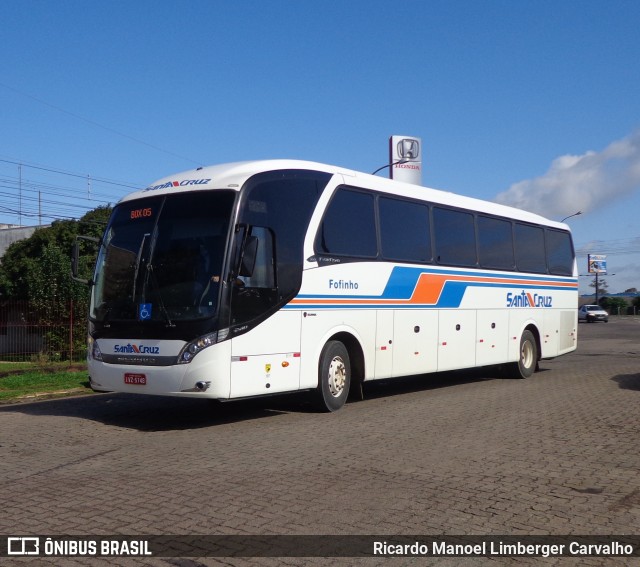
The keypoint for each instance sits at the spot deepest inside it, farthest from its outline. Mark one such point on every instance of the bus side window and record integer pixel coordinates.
(455, 238)
(530, 250)
(495, 243)
(559, 252)
(404, 230)
(348, 227)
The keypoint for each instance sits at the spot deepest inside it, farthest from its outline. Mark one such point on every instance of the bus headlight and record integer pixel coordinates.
(194, 347)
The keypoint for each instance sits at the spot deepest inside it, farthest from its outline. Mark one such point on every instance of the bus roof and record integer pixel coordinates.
(234, 175)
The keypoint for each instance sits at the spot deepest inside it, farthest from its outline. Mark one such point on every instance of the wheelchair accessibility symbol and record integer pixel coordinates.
(144, 311)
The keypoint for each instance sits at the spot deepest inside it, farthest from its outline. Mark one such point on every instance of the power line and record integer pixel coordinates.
(98, 125)
(25, 196)
(58, 190)
(129, 185)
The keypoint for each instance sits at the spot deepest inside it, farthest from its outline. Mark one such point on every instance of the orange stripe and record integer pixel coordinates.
(429, 288)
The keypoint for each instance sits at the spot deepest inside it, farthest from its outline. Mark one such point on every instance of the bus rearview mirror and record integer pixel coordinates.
(249, 255)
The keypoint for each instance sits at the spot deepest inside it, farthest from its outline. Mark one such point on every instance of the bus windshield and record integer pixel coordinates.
(161, 258)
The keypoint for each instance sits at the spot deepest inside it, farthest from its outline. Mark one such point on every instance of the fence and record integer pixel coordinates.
(37, 333)
(59, 332)
(618, 310)
(630, 310)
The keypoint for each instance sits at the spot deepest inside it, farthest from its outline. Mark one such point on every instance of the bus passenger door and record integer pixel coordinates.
(415, 340)
(456, 339)
(267, 359)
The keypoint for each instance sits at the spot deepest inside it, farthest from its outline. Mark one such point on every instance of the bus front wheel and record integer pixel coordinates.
(334, 377)
(527, 357)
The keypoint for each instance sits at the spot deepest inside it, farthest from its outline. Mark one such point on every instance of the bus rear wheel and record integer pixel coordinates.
(334, 377)
(528, 356)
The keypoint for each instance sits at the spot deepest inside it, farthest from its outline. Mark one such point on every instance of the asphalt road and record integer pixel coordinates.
(459, 453)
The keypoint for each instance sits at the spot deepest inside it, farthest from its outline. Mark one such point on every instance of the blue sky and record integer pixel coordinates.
(534, 103)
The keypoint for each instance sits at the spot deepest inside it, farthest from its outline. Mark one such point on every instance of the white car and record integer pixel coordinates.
(592, 313)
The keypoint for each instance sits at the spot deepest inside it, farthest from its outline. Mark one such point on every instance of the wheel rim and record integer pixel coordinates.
(337, 376)
(526, 356)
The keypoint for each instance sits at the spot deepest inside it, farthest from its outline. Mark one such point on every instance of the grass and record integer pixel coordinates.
(19, 380)
(11, 366)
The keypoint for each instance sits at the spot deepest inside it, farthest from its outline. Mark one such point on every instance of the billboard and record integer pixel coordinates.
(597, 264)
(405, 159)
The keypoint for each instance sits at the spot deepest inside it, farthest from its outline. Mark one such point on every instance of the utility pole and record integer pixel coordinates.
(19, 194)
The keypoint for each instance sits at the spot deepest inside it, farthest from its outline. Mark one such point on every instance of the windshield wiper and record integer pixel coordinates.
(137, 266)
(163, 309)
(150, 273)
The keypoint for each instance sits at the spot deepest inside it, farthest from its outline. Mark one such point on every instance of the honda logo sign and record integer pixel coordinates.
(408, 148)
(404, 159)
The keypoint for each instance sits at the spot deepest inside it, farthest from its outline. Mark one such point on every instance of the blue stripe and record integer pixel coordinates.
(402, 283)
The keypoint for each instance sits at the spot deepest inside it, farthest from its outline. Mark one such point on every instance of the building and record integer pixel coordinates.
(10, 233)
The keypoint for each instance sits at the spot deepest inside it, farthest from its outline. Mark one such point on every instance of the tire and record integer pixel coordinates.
(527, 357)
(334, 377)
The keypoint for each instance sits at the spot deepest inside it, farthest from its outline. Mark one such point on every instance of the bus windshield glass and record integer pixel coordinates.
(161, 258)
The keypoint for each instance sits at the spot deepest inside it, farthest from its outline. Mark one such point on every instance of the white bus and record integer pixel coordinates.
(262, 277)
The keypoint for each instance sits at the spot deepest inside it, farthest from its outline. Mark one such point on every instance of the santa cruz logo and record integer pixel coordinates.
(136, 349)
(526, 299)
(183, 183)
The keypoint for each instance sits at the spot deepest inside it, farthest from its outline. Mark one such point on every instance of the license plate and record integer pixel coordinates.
(137, 379)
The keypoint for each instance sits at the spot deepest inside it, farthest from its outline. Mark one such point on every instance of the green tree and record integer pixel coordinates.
(615, 305)
(602, 286)
(38, 270)
(24, 261)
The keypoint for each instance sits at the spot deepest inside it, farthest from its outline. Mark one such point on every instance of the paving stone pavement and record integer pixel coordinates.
(459, 453)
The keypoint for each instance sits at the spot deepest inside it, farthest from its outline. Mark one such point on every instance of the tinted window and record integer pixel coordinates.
(495, 243)
(165, 253)
(404, 230)
(454, 237)
(530, 255)
(276, 209)
(348, 227)
(559, 253)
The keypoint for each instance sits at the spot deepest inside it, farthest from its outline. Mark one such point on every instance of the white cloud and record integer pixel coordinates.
(580, 183)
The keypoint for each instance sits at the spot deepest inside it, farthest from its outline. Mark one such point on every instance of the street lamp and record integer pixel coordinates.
(573, 215)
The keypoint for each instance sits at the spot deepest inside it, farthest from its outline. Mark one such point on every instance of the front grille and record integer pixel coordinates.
(141, 360)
